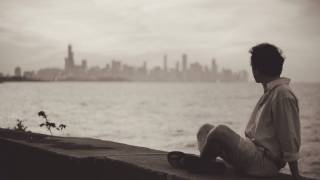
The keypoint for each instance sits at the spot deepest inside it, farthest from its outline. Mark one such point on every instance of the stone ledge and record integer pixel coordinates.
(38, 156)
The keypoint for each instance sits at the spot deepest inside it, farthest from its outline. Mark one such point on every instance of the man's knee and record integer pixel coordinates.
(204, 130)
(220, 132)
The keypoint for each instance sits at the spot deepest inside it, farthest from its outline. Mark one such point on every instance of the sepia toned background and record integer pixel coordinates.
(181, 63)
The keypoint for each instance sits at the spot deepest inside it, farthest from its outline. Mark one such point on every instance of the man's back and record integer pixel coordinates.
(274, 124)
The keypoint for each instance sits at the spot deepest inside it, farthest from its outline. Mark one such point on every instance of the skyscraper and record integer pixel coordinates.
(145, 66)
(165, 67)
(69, 60)
(184, 62)
(17, 71)
(115, 67)
(84, 65)
(214, 67)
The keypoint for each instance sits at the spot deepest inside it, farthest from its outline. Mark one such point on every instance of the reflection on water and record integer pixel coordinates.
(157, 115)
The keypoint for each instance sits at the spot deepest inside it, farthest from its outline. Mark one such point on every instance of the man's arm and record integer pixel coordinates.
(287, 124)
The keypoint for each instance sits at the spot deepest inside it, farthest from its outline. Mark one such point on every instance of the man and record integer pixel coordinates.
(272, 135)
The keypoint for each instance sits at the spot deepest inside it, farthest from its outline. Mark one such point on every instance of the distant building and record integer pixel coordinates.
(177, 67)
(95, 72)
(214, 67)
(184, 62)
(29, 74)
(156, 74)
(117, 71)
(49, 74)
(73, 71)
(17, 72)
(127, 71)
(69, 61)
(84, 65)
(196, 72)
(141, 73)
(165, 66)
(243, 76)
(115, 68)
(145, 67)
(107, 68)
(214, 71)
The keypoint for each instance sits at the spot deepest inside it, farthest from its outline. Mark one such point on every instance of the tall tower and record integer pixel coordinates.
(214, 67)
(165, 67)
(69, 61)
(184, 62)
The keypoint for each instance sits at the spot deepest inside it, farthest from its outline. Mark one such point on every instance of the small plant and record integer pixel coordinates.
(20, 126)
(50, 125)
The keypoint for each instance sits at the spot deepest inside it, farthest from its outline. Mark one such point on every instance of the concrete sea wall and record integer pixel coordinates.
(37, 156)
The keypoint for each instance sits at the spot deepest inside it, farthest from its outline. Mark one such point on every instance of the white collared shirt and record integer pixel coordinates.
(274, 123)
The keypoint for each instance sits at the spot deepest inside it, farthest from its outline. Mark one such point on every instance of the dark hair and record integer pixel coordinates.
(267, 59)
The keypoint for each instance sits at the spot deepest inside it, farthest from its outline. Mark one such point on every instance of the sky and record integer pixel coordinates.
(34, 34)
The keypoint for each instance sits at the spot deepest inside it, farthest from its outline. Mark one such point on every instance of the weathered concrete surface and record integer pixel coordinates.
(37, 156)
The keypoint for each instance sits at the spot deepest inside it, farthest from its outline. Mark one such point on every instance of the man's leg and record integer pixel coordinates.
(202, 135)
(217, 141)
(237, 151)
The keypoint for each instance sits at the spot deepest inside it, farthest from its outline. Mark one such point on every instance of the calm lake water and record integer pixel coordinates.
(163, 116)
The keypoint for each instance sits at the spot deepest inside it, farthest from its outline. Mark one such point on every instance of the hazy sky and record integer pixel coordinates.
(35, 33)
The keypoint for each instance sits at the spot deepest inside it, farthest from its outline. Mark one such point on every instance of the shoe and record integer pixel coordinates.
(194, 163)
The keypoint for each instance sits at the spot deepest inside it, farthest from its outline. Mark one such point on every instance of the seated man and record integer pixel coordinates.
(272, 135)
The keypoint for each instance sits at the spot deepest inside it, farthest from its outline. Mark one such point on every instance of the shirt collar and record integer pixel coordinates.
(276, 82)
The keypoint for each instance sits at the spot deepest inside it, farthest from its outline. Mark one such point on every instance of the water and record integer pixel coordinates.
(163, 116)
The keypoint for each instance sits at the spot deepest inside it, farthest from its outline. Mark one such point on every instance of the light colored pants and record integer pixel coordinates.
(244, 155)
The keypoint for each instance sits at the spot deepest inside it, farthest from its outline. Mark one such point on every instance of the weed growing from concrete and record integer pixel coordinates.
(20, 126)
(50, 125)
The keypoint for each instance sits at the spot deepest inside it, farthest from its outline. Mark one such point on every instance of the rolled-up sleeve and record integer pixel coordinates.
(285, 113)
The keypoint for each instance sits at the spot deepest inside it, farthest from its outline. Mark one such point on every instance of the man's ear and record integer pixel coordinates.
(256, 74)
(255, 71)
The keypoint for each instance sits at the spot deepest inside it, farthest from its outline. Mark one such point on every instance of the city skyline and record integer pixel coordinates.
(116, 70)
(34, 33)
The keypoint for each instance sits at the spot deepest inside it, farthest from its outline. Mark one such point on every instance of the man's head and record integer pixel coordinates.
(266, 62)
